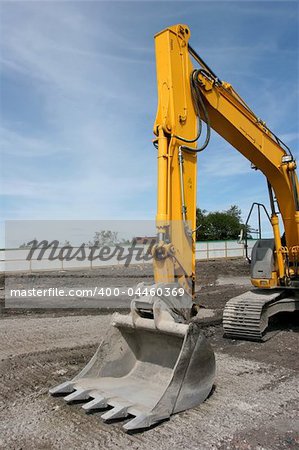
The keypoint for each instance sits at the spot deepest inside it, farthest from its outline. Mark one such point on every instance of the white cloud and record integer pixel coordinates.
(224, 163)
(14, 143)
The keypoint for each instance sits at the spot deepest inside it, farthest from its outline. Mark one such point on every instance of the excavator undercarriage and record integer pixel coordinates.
(247, 315)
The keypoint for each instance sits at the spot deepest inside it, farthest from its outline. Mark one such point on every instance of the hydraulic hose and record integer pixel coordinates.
(198, 106)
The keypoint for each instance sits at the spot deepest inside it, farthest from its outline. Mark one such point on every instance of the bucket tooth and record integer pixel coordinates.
(63, 388)
(118, 412)
(79, 394)
(140, 421)
(96, 403)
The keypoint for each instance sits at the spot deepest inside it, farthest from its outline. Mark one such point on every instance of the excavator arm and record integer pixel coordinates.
(176, 195)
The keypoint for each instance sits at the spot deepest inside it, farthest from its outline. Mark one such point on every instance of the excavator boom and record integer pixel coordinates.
(274, 262)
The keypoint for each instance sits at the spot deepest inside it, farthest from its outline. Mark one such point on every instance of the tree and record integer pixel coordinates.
(104, 237)
(66, 243)
(235, 211)
(202, 226)
(218, 225)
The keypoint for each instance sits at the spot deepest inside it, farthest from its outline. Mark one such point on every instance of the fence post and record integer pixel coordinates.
(208, 251)
(225, 246)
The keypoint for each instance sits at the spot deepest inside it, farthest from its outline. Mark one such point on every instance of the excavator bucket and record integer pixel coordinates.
(144, 373)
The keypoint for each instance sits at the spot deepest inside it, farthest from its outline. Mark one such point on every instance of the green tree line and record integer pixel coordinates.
(218, 225)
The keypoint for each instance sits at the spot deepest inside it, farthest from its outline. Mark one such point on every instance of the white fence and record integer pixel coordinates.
(15, 260)
(222, 249)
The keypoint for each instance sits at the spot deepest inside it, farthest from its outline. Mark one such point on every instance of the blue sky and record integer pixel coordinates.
(78, 102)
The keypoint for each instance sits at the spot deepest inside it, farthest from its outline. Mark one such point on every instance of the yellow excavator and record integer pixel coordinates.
(155, 361)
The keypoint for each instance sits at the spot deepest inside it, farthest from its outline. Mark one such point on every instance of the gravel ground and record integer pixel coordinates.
(253, 405)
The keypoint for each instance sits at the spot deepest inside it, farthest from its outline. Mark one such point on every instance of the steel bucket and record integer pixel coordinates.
(144, 372)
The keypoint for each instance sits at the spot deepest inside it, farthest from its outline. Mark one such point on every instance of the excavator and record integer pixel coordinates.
(156, 361)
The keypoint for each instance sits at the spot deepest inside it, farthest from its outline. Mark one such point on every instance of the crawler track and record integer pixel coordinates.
(247, 315)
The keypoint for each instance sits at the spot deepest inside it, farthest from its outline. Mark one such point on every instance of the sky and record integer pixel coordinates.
(78, 102)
